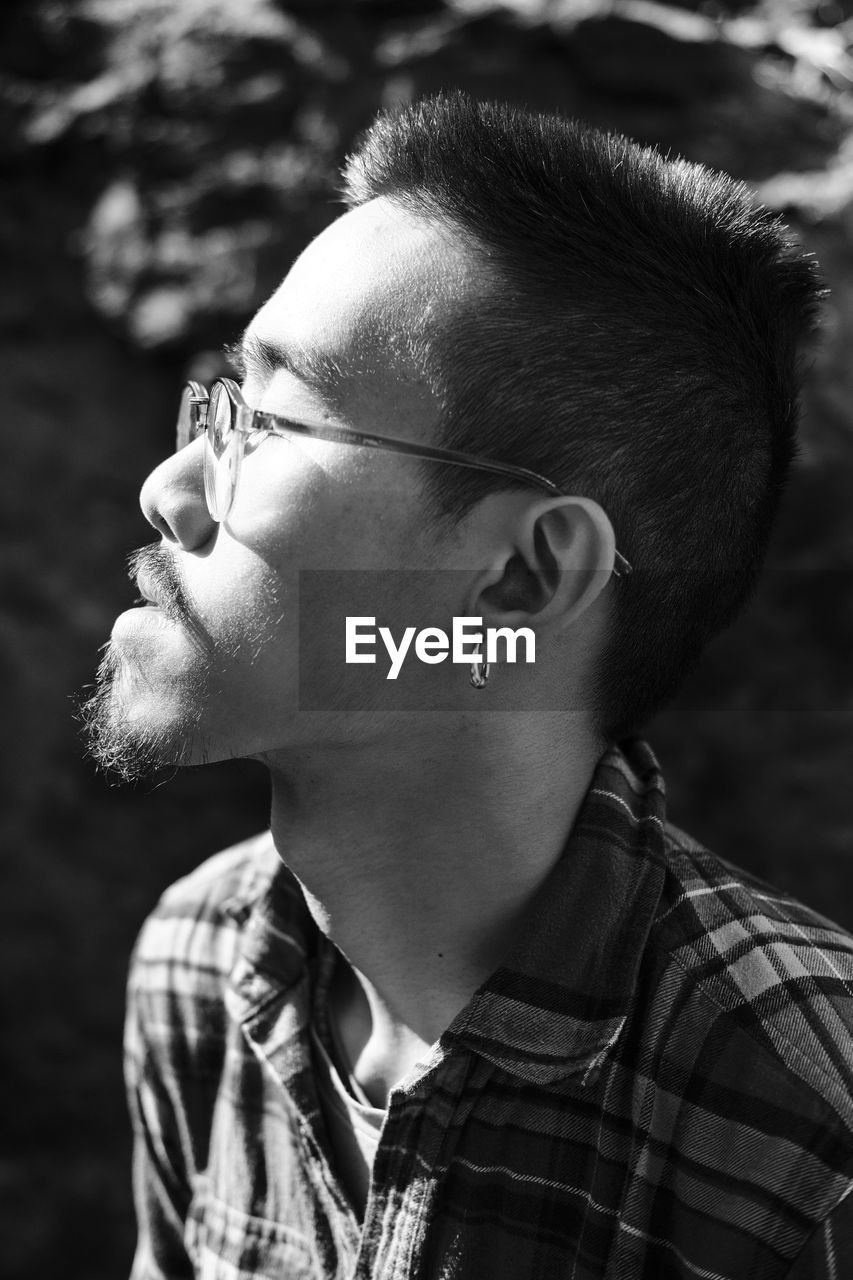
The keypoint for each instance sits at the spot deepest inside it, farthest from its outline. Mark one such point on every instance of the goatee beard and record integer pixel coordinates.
(121, 748)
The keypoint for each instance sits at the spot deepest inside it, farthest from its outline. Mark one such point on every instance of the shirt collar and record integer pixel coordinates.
(557, 1004)
(279, 937)
(560, 1000)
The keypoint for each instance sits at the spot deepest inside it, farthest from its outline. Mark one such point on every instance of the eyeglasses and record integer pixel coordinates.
(228, 423)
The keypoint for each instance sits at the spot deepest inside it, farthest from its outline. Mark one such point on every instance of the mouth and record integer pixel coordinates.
(157, 578)
(148, 596)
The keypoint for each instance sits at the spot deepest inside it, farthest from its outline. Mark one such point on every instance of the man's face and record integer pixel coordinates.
(217, 675)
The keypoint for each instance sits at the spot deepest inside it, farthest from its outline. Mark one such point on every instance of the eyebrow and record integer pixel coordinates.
(267, 356)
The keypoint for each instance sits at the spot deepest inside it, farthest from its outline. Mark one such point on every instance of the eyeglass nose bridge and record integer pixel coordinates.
(200, 407)
(192, 414)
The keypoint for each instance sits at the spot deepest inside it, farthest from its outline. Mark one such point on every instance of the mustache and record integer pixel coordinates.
(164, 580)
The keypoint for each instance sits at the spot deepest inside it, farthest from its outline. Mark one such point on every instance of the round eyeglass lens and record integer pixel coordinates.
(221, 454)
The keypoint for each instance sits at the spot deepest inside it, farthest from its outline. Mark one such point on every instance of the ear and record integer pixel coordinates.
(557, 556)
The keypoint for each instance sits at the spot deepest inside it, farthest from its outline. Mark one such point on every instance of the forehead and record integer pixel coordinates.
(363, 297)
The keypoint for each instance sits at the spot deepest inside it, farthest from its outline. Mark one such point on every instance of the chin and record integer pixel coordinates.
(132, 733)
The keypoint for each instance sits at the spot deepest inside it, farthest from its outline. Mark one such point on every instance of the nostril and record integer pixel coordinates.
(173, 501)
(162, 526)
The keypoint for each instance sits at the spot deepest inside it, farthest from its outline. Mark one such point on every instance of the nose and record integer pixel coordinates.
(173, 501)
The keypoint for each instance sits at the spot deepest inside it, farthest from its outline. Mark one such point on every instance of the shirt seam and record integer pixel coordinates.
(819, 1226)
(701, 989)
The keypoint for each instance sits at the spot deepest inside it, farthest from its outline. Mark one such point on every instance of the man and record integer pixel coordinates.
(472, 1008)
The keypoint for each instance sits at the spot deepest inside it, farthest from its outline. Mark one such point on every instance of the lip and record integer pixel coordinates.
(132, 625)
(148, 593)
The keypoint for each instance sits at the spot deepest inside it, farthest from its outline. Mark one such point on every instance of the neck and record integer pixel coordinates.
(419, 853)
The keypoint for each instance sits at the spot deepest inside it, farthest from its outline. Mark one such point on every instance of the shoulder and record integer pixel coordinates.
(199, 920)
(191, 945)
(189, 954)
(742, 935)
(773, 976)
(739, 1047)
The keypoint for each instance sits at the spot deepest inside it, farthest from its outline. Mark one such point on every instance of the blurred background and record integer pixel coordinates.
(163, 161)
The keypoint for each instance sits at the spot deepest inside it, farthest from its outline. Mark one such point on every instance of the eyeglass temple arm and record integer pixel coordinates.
(267, 422)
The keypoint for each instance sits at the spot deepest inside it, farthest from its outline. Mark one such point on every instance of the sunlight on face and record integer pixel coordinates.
(301, 504)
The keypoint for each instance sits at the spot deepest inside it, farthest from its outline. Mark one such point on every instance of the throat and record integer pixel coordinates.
(374, 1048)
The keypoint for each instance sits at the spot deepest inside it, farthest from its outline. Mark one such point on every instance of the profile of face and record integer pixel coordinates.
(210, 666)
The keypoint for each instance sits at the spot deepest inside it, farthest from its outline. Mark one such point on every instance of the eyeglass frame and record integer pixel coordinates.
(276, 425)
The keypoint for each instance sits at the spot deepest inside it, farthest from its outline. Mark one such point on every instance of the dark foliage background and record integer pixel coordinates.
(162, 163)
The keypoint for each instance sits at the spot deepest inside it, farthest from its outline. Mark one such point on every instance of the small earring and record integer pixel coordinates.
(479, 674)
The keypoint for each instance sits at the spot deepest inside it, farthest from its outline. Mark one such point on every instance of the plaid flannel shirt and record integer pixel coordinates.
(656, 1083)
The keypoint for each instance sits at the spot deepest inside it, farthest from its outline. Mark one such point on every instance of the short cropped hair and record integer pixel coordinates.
(640, 347)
